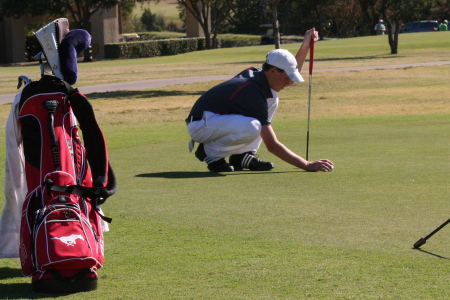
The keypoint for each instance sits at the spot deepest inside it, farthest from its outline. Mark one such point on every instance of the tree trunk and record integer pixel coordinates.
(276, 35)
(392, 28)
(276, 27)
(208, 40)
(397, 30)
(393, 36)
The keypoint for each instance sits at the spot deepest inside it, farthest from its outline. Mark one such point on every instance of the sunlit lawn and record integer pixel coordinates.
(180, 232)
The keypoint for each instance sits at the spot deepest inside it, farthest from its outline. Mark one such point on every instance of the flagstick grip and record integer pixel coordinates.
(311, 55)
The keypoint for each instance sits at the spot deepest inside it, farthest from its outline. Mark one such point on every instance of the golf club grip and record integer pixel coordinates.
(311, 54)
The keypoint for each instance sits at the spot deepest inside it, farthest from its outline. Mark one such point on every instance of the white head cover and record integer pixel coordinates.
(283, 59)
(50, 37)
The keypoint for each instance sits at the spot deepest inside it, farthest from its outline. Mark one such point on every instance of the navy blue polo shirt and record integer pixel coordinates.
(245, 94)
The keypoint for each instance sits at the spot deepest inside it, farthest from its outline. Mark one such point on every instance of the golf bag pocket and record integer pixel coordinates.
(66, 239)
(62, 235)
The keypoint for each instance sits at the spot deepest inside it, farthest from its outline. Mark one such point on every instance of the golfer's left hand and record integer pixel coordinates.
(312, 32)
(324, 165)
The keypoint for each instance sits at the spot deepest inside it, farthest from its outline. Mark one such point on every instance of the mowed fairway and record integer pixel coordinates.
(180, 232)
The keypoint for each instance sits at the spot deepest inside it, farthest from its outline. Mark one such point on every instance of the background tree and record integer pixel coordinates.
(441, 10)
(126, 9)
(153, 22)
(345, 17)
(275, 23)
(297, 16)
(395, 11)
(371, 13)
(246, 16)
(81, 11)
(205, 11)
(392, 22)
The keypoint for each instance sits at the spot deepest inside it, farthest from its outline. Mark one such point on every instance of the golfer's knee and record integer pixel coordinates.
(252, 130)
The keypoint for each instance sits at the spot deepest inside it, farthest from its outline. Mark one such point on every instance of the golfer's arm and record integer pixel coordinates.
(280, 150)
(301, 54)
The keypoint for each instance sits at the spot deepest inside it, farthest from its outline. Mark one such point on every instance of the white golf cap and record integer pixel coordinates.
(283, 59)
(380, 21)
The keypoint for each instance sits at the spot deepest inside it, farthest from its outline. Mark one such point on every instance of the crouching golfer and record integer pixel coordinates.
(232, 118)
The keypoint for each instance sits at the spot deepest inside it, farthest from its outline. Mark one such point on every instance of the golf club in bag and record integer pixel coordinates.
(311, 63)
(422, 241)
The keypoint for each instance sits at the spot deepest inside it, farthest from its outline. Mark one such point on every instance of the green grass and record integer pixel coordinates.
(167, 8)
(180, 232)
(355, 52)
(343, 53)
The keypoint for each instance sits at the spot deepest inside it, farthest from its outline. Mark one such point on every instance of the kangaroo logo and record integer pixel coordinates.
(70, 240)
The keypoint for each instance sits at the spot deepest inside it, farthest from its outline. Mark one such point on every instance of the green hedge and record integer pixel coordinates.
(239, 40)
(154, 48)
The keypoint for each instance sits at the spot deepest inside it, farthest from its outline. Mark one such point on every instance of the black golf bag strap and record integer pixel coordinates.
(93, 138)
(103, 177)
(70, 89)
(97, 194)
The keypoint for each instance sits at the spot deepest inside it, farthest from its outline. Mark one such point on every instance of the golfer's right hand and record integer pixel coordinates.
(323, 165)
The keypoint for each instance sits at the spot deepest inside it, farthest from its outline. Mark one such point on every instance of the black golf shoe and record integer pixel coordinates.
(200, 153)
(249, 161)
(220, 166)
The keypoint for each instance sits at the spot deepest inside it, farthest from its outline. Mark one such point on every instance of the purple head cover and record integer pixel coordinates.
(72, 45)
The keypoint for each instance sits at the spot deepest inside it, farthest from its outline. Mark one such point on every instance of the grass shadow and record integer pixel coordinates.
(430, 253)
(7, 273)
(25, 291)
(20, 64)
(349, 58)
(259, 62)
(20, 290)
(121, 94)
(17, 291)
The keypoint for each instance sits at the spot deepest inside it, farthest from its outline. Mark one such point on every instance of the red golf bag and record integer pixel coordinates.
(61, 238)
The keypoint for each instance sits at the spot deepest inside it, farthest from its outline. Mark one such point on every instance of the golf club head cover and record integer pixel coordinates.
(50, 37)
(72, 45)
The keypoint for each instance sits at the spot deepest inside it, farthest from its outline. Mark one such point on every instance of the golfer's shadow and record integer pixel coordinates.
(180, 175)
(193, 174)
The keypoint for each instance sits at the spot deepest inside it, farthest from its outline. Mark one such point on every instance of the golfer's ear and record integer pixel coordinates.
(273, 71)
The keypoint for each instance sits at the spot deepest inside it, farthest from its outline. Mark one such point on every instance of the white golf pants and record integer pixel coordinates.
(225, 135)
